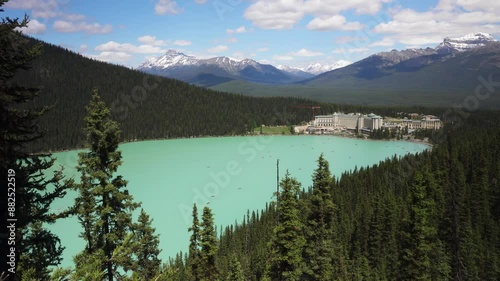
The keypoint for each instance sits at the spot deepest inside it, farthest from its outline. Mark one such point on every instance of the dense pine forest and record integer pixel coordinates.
(430, 216)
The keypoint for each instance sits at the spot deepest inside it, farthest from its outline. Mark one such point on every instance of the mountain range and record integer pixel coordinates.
(444, 75)
(469, 54)
(216, 70)
(385, 70)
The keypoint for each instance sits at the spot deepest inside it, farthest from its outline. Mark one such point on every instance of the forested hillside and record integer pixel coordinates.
(431, 216)
(150, 107)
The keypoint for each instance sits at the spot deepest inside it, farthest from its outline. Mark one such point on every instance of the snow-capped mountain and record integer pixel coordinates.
(464, 43)
(320, 68)
(412, 58)
(295, 71)
(215, 70)
(212, 71)
(172, 58)
(469, 54)
(393, 57)
(314, 69)
(169, 59)
(290, 69)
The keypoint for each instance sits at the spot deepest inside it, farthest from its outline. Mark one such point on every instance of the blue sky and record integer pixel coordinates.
(288, 32)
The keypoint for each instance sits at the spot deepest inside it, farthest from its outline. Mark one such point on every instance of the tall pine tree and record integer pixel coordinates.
(194, 251)
(144, 247)
(424, 256)
(104, 207)
(209, 247)
(319, 234)
(235, 271)
(288, 241)
(23, 173)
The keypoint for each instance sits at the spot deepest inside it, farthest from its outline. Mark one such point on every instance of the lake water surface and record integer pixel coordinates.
(229, 174)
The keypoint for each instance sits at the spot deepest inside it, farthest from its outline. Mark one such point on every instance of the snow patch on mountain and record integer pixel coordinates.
(169, 59)
(314, 69)
(173, 58)
(319, 68)
(464, 43)
(289, 69)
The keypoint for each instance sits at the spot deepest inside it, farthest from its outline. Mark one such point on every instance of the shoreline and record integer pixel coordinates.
(413, 140)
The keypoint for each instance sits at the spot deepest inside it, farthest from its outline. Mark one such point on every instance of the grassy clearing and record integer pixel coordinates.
(279, 130)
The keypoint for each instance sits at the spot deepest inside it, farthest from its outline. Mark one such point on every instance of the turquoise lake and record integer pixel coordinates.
(229, 174)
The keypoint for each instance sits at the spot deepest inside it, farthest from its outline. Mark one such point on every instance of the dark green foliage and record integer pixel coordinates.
(89, 266)
(209, 247)
(35, 247)
(104, 207)
(424, 257)
(194, 251)
(175, 269)
(235, 271)
(288, 241)
(145, 243)
(43, 245)
(319, 231)
(147, 107)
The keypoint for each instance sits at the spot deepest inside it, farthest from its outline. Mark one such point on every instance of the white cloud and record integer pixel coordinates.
(90, 28)
(449, 18)
(300, 53)
(385, 42)
(115, 47)
(83, 48)
(201, 1)
(335, 22)
(44, 9)
(40, 8)
(28, 4)
(238, 55)
(306, 53)
(278, 57)
(33, 27)
(262, 49)
(345, 39)
(278, 14)
(112, 57)
(218, 49)
(241, 29)
(47, 9)
(232, 40)
(284, 14)
(73, 17)
(182, 42)
(350, 50)
(151, 40)
(332, 7)
(475, 5)
(163, 7)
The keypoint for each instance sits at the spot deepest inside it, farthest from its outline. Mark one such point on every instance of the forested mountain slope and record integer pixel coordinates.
(146, 106)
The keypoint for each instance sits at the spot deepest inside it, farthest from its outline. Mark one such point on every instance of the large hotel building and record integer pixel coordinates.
(350, 121)
(370, 122)
(427, 122)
